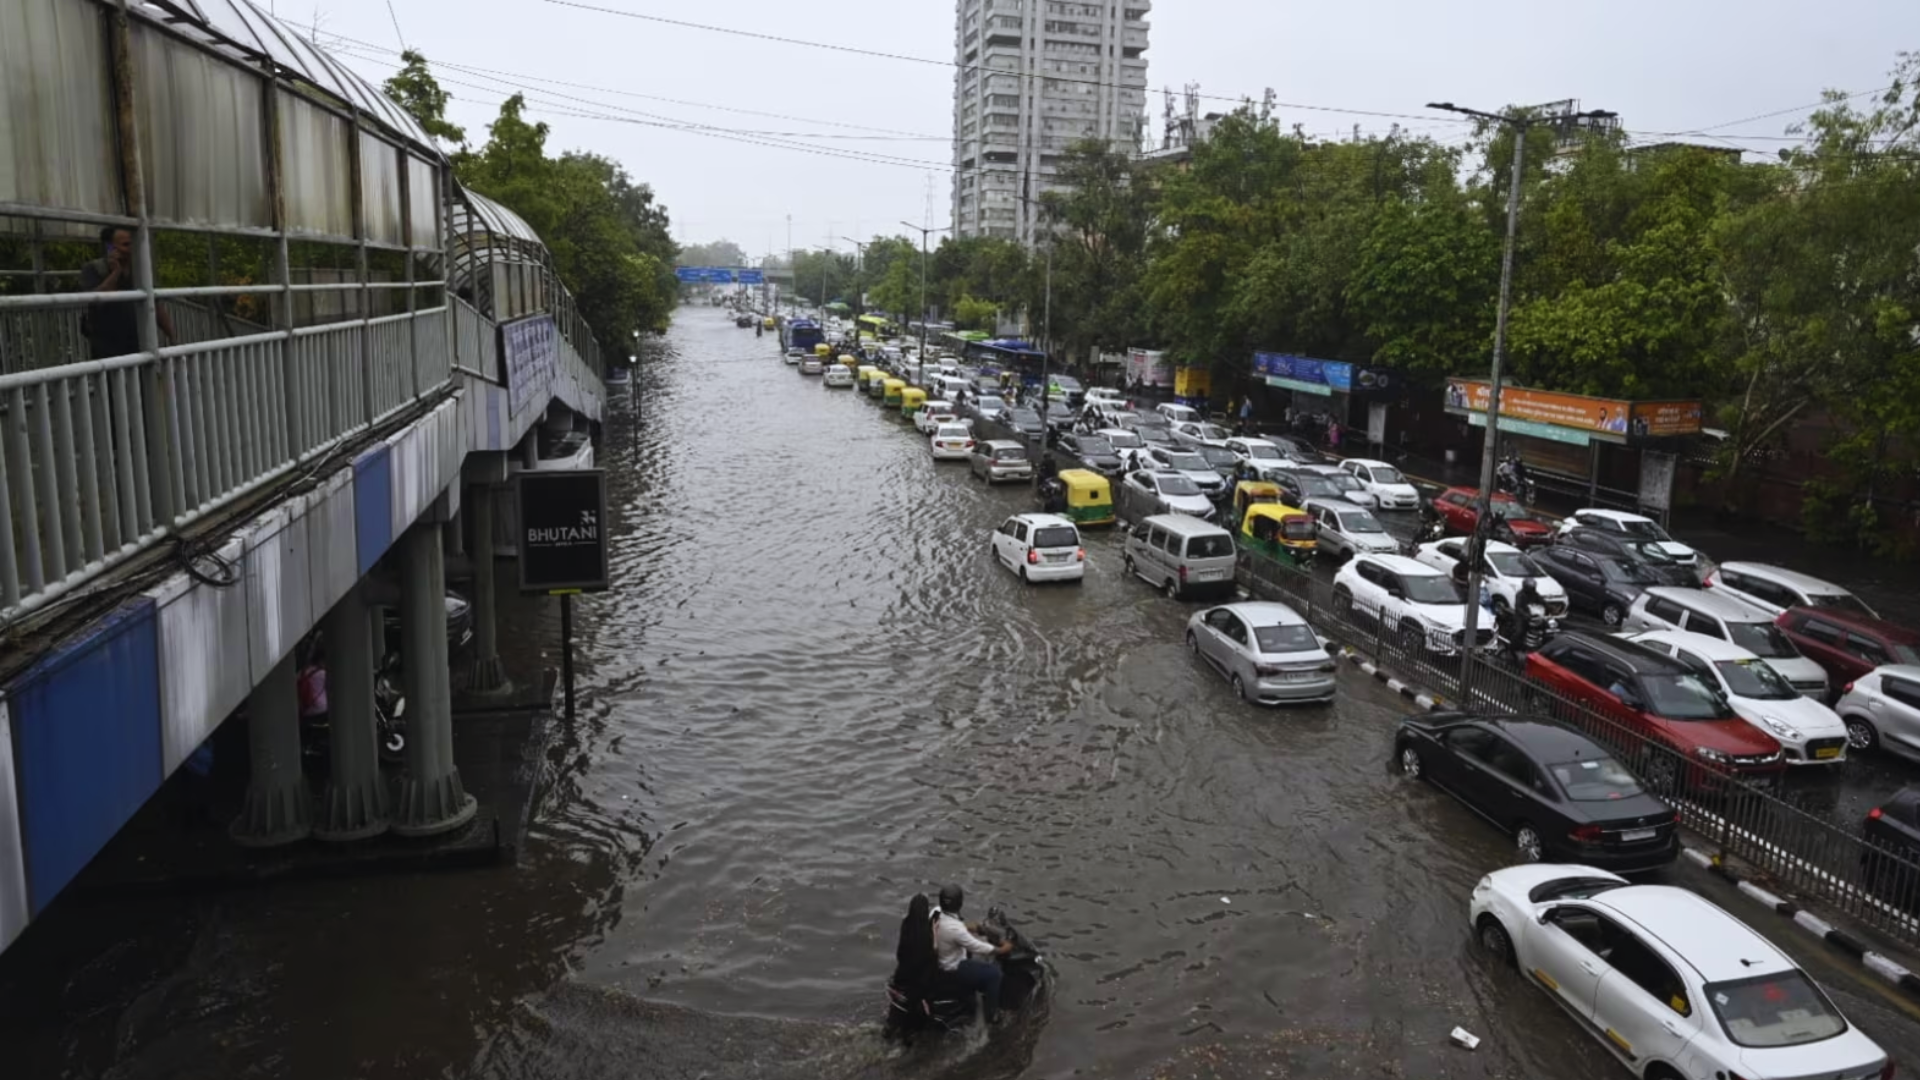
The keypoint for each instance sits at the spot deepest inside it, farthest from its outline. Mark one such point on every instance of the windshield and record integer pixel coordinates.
(1025, 416)
(1218, 546)
(1093, 444)
(1185, 462)
(1785, 1009)
(1209, 431)
(1216, 456)
(1283, 639)
(1264, 452)
(1125, 440)
(1343, 481)
(1009, 453)
(988, 403)
(1514, 564)
(1841, 602)
(1317, 487)
(1361, 522)
(1684, 697)
(954, 431)
(1627, 573)
(1386, 474)
(1762, 639)
(1906, 654)
(1643, 530)
(1755, 679)
(1596, 780)
(1431, 589)
(1175, 484)
(1511, 511)
(1055, 536)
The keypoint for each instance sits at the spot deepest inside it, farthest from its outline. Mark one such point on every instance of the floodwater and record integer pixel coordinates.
(810, 696)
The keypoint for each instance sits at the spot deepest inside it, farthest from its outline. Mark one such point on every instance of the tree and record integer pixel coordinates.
(972, 314)
(717, 253)
(1098, 222)
(415, 89)
(1425, 286)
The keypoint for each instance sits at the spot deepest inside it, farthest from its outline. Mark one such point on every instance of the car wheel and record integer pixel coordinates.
(1861, 734)
(1612, 614)
(1526, 839)
(1193, 643)
(1410, 764)
(1411, 639)
(1343, 604)
(1172, 589)
(1025, 577)
(1494, 940)
(1126, 563)
(1663, 773)
(1239, 688)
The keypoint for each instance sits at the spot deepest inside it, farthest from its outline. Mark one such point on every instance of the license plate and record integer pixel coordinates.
(1295, 676)
(1210, 575)
(1638, 834)
(1827, 752)
(1056, 558)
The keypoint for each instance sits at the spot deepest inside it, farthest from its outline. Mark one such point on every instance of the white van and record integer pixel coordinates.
(1665, 607)
(1774, 589)
(1181, 554)
(1179, 414)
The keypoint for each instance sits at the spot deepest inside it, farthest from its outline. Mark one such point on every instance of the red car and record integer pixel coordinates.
(1513, 523)
(1848, 645)
(1659, 697)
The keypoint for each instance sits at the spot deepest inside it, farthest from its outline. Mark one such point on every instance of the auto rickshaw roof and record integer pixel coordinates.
(1276, 511)
(1083, 480)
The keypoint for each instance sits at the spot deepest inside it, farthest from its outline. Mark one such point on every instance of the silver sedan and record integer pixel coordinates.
(1266, 651)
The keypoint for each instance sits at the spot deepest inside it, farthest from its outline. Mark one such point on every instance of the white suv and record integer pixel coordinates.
(1774, 589)
(1504, 567)
(1386, 483)
(1040, 547)
(1415, 603)
(1639, 529)
(1346, 530)
(1679, 987)
(1882, 708)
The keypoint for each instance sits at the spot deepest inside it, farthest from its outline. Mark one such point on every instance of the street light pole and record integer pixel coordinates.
(924, 232)
(1519, 125)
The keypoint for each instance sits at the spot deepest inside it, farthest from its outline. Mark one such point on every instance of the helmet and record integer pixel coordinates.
(951, 898)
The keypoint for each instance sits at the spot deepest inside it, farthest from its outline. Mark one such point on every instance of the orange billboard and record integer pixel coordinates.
(1658, 419)
(1603, 416)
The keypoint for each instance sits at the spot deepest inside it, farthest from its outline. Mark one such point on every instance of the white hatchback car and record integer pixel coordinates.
(1200, 433)
(935, 413)
(1882, 709)
(811, 366)
(952, 442)
(1809, 732)
(1420, 606)
(1388, 484)
(1669, 984)
(1506, 567)
(1040, 547)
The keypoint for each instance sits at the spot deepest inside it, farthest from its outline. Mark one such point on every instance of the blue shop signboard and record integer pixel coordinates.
(1304, 373)
(529, 355)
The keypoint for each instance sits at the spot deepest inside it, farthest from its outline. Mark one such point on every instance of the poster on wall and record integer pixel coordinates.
(1149, 367)
(1656, 480)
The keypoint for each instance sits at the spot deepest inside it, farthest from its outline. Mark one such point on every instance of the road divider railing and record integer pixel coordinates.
(1742, 816)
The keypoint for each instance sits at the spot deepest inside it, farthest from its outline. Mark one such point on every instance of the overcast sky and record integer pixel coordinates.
(1672, 65)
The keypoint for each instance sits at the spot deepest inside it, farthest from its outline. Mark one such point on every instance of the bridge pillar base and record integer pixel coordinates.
(432, 798)
(279, 806)
(353, 806)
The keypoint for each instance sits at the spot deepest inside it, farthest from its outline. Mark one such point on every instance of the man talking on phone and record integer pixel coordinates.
(113, 328)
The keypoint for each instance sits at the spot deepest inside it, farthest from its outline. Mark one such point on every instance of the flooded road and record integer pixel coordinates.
(810, 696)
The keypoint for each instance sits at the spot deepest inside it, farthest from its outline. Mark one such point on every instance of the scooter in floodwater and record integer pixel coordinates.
(1024, 985)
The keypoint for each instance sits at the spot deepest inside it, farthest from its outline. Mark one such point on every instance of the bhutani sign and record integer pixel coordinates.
(563, 542)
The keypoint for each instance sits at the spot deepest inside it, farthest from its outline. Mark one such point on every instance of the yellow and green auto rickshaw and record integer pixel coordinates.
(863, 375)
(825, 352)
(1088, 497)
(1251, 493)
(852, 365)
(875, 384)
(892, 390)
(1279, 531)
(912, 400)
(768, 323)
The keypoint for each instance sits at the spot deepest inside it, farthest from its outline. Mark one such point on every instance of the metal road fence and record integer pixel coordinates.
(1743, 818)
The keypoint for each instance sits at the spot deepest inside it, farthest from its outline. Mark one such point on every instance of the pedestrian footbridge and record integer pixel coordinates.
(256, 344)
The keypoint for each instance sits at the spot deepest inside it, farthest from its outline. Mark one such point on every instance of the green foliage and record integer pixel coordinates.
(415, 89)
(972, 314)
(718, 253)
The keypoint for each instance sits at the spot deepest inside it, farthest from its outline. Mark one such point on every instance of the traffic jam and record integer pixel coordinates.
(1735, 667)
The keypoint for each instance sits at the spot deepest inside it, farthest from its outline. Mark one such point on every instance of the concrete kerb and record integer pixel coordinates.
(1414, 694)
(1840, 941)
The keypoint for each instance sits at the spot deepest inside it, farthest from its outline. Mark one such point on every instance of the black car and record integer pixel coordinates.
(983, 406)
(1018, 423)
(1093, 452)
(1220, 459)
(1602, 584)
(1562, 796)
(1299, 450)
(1297, 487)
(1892, 833)
(1628, 549)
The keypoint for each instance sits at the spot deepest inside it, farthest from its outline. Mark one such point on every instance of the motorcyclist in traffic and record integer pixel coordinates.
(959, 950)
(1528, 611)
(915, 964)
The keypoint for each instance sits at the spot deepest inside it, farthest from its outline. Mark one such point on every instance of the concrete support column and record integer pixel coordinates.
(354, 803)
(279, 807)
(432, 799)
(456, 533)
(488, 676)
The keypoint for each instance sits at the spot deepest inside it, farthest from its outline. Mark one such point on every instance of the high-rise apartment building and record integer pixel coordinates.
(1034, 77)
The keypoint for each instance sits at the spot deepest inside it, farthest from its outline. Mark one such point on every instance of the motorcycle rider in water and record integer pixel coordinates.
(956, 946)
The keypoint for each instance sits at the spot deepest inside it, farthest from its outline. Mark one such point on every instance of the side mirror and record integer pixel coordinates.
(1546, 916)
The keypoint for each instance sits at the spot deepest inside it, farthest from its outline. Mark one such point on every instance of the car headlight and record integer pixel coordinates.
(1708, 753)
(1780, 728)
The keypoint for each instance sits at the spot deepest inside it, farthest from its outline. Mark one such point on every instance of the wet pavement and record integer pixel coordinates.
(810, 696)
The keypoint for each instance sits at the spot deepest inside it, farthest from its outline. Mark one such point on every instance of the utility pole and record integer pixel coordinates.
(792, 272)
(1046, 354)
(924, 232)
(1519, 125)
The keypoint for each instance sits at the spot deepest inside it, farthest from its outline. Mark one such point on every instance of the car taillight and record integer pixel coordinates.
(1079, 554)
(1586, 834)
(1183, 575)
(1873, 814)
(1033, 556)
(969, 444)
(1847, 689)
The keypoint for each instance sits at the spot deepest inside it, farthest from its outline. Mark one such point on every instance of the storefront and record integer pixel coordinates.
(1317, 386)
(1565, 438)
